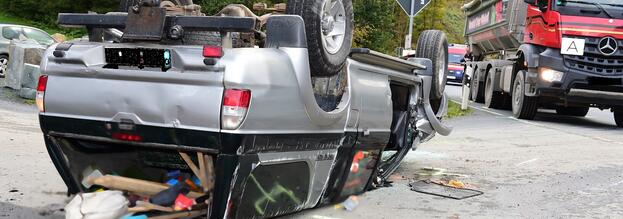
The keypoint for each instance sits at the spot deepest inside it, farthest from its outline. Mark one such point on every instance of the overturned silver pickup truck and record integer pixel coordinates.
(272, 136)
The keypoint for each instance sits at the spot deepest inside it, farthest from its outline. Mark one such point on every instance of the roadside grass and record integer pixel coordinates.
(70, 33)
(454, 110)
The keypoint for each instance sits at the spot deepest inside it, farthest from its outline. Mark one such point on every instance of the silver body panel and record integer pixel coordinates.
(189, 96)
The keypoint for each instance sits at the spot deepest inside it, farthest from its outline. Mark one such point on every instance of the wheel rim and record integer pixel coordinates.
(517, 96)
(441, 68)
(4, 65)
(333, 25)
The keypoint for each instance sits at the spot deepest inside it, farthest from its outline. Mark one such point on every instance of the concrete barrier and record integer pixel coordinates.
(23, 72)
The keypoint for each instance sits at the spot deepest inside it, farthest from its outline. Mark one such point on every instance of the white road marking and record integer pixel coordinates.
(480, 108)
(527, 161)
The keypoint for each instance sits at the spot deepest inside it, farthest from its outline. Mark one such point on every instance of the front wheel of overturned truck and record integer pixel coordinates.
(433, 45)
(329, 30)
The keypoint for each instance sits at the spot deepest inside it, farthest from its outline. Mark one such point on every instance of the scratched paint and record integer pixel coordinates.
(275, 189)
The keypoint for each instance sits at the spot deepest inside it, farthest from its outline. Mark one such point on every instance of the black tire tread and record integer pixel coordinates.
(320, 65)
(497, 98)
(529, 105)
(428, 46)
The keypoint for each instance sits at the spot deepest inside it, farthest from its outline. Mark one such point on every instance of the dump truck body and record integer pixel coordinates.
(567, 53)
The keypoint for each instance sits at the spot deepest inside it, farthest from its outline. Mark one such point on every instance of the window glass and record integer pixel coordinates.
(11, 32)
(39, 36)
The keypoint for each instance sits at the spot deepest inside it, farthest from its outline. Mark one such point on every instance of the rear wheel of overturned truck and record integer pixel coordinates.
(329, 30)
(432, 45)
(524, 107)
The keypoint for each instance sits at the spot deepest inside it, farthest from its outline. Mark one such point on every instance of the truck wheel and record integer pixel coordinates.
(524, 107)
(493, 99)
(572, 111)
(433, 45)
(329, 28)
(618, 117)
(478, 91)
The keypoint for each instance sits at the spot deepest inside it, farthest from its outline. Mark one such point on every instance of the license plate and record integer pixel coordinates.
(139, 57)
(572, 46)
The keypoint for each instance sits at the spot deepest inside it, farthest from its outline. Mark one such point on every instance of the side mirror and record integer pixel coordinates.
(530, 2)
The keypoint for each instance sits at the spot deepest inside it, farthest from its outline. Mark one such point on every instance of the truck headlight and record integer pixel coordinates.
(550, 75)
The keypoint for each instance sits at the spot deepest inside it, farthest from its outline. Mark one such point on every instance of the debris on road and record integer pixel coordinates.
(443, 190)
(350, 204)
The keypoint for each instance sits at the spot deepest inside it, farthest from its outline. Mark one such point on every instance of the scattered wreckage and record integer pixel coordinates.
(177, 111)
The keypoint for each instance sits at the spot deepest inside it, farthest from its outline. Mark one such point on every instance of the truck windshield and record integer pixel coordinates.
(591, 8)
(455, 58)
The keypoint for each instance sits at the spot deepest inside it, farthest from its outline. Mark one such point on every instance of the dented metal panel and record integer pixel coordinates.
(186, 96)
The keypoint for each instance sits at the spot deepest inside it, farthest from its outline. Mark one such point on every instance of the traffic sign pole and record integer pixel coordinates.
(410, 36)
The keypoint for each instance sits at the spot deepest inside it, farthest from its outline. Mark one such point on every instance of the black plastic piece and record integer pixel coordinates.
(58, 54)
(63, 46)
(209, 61)
(285, 31)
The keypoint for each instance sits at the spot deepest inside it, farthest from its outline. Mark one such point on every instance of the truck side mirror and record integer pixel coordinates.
(530, 2)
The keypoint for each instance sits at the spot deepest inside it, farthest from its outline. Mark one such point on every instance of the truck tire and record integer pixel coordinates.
(572, 111)
(478, 91)
(524, 107)
(329, 28)
(618, 117)
(433, 45)
(493, 99)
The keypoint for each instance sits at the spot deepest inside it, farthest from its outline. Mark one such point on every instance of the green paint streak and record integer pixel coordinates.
(270, 196)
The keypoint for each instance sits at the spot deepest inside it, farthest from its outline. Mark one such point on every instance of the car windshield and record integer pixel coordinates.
(455, 58)
(25, 33)
(591, 8)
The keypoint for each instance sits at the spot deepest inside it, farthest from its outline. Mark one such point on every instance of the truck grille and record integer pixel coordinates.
(595, 62)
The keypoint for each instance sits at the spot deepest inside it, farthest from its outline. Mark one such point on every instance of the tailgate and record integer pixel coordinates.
(84, 85)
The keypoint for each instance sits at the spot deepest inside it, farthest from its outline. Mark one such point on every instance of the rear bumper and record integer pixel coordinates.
(578, 87)
(314, 168)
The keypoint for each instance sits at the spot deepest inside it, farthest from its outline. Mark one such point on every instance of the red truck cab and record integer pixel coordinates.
(565, 55)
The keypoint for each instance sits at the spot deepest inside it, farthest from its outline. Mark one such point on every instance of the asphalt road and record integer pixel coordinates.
(552, 167)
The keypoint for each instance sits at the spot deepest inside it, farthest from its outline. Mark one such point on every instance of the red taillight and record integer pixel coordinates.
(212, 51)
(43, 82)
(235, 105)
(238, 98)
(40, 95)
(126, 137)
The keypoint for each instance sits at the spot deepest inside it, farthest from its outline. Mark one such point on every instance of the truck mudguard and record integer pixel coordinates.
(531, 54)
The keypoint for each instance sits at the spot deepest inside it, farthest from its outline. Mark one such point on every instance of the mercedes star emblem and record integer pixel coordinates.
(608, 46)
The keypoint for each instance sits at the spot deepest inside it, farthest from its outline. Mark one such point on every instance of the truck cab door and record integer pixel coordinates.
(542, 24)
